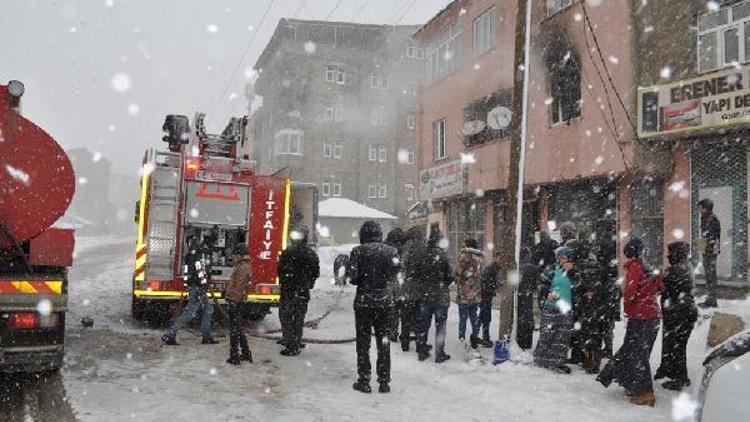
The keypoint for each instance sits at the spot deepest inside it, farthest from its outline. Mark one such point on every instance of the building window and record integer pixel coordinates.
(409, 192)
(379, 81)
(555, 6)
(327, 150)
(410, 156)
(326, 189)
(337, 189)
(565, 77)
(484, 31)
(335, 74)
(379, 116)
(288, 141)
(724, 37)
(487, 118)
(438, 129)
(382, 192)
(442, 55)
(338, 151)
(372, 191)
(373, 154)
(382, 154)
(414, 52)
(411, 121)
(334, 113)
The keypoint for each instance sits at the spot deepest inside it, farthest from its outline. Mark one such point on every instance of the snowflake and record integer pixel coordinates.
(18, 174)
(666, 72)
(133, 109)
(44, 307)
(121, 83)
(310, 47)
(212, 28)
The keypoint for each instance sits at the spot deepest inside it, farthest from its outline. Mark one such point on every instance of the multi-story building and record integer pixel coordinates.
(338, 110)
(693, 108)
(580, 148)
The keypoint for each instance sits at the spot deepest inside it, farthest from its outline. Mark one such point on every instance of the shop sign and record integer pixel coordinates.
(444, 180)
(712, 100)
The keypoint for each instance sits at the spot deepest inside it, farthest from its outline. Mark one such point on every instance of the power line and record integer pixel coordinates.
(299, 9)
(604, 63)
(406, 10)
(242, 58)
(330, 14)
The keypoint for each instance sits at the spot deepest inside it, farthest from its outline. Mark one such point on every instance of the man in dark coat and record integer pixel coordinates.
(530, 275)
(197, 276)
(298, 269)
(544, 251)
(235, 293)
(490, 276)
(397, 239)
(374, 268)
(407, 295)
(587, 292)
(604, 249)
(710, 247)
(433, 275)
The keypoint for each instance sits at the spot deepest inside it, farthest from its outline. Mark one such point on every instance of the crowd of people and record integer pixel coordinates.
(403, 284)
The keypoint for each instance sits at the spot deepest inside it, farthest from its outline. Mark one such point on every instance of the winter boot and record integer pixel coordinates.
(384, 388)
(289, 352)
(247, 357)
(441, 357)
(487, 343)
(474, 342)
(643, 399)
(709, 303)
(676, 385)
(659, 374)
(169, 340)
(562, 369)
(209, 340)
(404, 346)
(233, 361)
(423, 353)
(362, 386)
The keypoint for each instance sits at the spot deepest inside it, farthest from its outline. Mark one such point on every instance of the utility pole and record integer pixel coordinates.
(511, 249)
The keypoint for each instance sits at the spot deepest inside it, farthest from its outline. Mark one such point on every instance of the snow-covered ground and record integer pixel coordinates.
(120, 371)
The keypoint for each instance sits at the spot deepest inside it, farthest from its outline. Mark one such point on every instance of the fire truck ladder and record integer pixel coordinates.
(162, 216)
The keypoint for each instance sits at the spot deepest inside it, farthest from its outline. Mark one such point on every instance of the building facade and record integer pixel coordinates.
(576, 157)
(338, 110)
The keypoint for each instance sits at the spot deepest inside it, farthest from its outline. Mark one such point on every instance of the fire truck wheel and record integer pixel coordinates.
(137, 309)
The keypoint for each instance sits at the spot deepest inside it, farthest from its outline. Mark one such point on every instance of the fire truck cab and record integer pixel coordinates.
(201, 187)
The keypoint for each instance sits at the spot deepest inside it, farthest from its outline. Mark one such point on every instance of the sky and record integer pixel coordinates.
(102, 74)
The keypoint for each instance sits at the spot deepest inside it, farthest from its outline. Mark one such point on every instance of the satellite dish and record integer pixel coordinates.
(499, 118)
(472, 127)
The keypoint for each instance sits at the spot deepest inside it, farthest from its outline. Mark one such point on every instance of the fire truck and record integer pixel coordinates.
(200, 186)
(37, 184)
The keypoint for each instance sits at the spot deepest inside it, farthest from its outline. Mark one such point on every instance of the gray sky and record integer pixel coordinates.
(104, 73)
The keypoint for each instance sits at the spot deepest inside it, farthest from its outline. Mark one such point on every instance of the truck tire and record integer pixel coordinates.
(137, 308)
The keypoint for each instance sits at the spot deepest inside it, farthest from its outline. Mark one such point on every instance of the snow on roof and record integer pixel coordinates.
(342, 207)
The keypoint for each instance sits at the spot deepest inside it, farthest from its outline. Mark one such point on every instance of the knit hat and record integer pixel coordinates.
(564, 251)
(634, 248)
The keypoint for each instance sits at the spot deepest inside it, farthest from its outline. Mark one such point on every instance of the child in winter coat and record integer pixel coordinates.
(469, 290)
(680, 314)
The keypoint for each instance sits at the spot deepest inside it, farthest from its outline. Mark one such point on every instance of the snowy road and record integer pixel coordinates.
(119, 370)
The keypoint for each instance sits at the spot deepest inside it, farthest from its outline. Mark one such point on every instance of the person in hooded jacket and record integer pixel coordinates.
(374, 268)
(630, 365)
(679, 316)
(530, 274)
(407, 295)
(544, 251)
(604, 249)
(433, 275)
(587, 338)
(235, 294)
(397, 239)
(709, 245)
(298, 268)
(556, 302)
(469, 290)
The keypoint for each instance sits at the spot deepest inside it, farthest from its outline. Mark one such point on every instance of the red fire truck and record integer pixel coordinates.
(37, 184)
(203, 186)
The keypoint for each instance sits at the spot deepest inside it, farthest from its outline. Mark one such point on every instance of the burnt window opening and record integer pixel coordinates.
(565, 78)
(485, 119)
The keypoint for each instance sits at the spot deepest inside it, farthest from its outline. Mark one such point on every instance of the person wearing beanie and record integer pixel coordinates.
(556, 302)
(630, 365)
(679, 316)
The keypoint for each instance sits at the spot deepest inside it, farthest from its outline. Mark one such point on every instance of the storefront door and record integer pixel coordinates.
(722, 197)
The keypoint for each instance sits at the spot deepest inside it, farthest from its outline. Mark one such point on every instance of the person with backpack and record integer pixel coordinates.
(374, 268)
(469, 290)
(630, 366)
(235, 294)
(679, 317)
